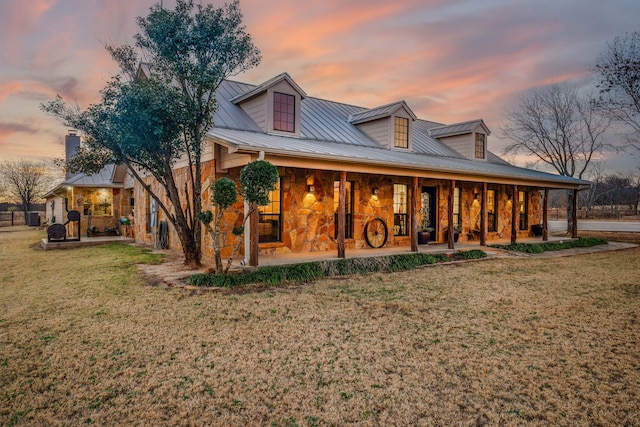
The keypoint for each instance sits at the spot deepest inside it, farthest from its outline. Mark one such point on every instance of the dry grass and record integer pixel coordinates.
(519, 341)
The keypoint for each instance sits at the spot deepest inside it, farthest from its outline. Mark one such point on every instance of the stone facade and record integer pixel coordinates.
(307, 218)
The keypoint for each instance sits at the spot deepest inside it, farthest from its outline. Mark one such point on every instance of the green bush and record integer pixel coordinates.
(535, 248)
(276, 275)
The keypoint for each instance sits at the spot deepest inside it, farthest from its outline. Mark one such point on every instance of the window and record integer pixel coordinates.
(348, 230)
(456, 207)
(97, 202)
(401, 138)
(491, 210)
(400, 209)
(480, 145)
(269, 225)
(284, 112)
(522, 203)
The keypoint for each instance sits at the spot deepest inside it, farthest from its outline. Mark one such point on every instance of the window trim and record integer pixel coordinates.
(283, 125)
(456, 206)
(492, 223)
(480, 146)
(400, 219)
(262, 215)
(401, 130)
(523, 206)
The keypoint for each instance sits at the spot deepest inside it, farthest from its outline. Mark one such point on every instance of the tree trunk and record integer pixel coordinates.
(179, 221)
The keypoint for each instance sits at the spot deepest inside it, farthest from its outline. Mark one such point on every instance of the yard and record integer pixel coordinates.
(514, 341)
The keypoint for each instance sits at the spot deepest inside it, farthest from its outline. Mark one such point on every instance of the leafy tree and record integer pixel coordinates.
(149, 122)
(257, 179)
(25, 181)
(559, 128)
(618, 73)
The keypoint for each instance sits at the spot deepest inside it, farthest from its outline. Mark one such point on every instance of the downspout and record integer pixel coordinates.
(247, 236)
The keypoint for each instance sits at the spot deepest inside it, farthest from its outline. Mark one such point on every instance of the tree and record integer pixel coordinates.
(559, 128)
(257, 179)
(618, 73)
(25, 181)
(190, 51)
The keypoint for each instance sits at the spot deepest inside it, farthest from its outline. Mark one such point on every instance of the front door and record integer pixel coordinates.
(428, 207)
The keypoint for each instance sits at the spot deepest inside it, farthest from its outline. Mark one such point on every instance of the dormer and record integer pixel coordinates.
(467, 138)
(274, 105)
(390, 125)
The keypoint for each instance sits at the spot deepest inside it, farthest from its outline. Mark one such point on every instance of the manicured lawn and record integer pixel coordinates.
(517, 341)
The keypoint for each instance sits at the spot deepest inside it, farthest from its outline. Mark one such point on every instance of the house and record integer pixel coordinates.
(100, 199)
(391, 168)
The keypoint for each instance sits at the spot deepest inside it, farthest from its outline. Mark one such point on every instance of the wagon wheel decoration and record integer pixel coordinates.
(375, 233)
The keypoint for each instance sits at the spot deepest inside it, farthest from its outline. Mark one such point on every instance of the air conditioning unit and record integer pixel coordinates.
(33, 219)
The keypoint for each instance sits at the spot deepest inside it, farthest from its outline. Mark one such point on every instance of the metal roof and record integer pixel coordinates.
(348, 153)
(326, 133)
(266, 85)
(380, 112)
(458, 128)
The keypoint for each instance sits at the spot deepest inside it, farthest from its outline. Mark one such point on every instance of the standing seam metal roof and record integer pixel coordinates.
(326, 133)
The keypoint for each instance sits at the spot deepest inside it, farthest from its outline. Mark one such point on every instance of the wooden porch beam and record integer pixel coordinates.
(342, 213)
(483, 216)
(413, 215)
(514, 215)
(545, 217)
(450, 201)
(574, 215)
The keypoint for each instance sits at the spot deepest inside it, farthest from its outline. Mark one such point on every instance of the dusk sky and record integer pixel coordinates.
(449, 60)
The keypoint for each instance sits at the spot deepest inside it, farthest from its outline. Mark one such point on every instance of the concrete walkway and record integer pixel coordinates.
(84, 241)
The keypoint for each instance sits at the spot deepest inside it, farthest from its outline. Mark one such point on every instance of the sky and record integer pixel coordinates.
(450, 60)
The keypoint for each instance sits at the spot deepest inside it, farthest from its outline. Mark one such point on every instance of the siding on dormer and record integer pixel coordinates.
(378, 130)
(256, 108)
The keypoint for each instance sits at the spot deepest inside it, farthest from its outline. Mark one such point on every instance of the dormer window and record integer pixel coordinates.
(401, 134)
(481, 145)
(284, 117)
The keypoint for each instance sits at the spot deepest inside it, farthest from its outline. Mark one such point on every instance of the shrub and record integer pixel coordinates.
(310, 271)
(535, 248)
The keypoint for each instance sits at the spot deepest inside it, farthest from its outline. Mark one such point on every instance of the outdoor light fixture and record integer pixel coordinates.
(374, 193)
(310, 184)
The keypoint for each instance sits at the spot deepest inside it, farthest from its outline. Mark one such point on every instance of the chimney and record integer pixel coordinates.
(71, 145)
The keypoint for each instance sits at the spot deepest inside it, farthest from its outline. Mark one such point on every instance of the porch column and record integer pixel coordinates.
(452, 187)
(483, 216)
(545, 218)
(574, 215)
(253, 240)
(412, 213)
(342, 214)
(514, 215)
